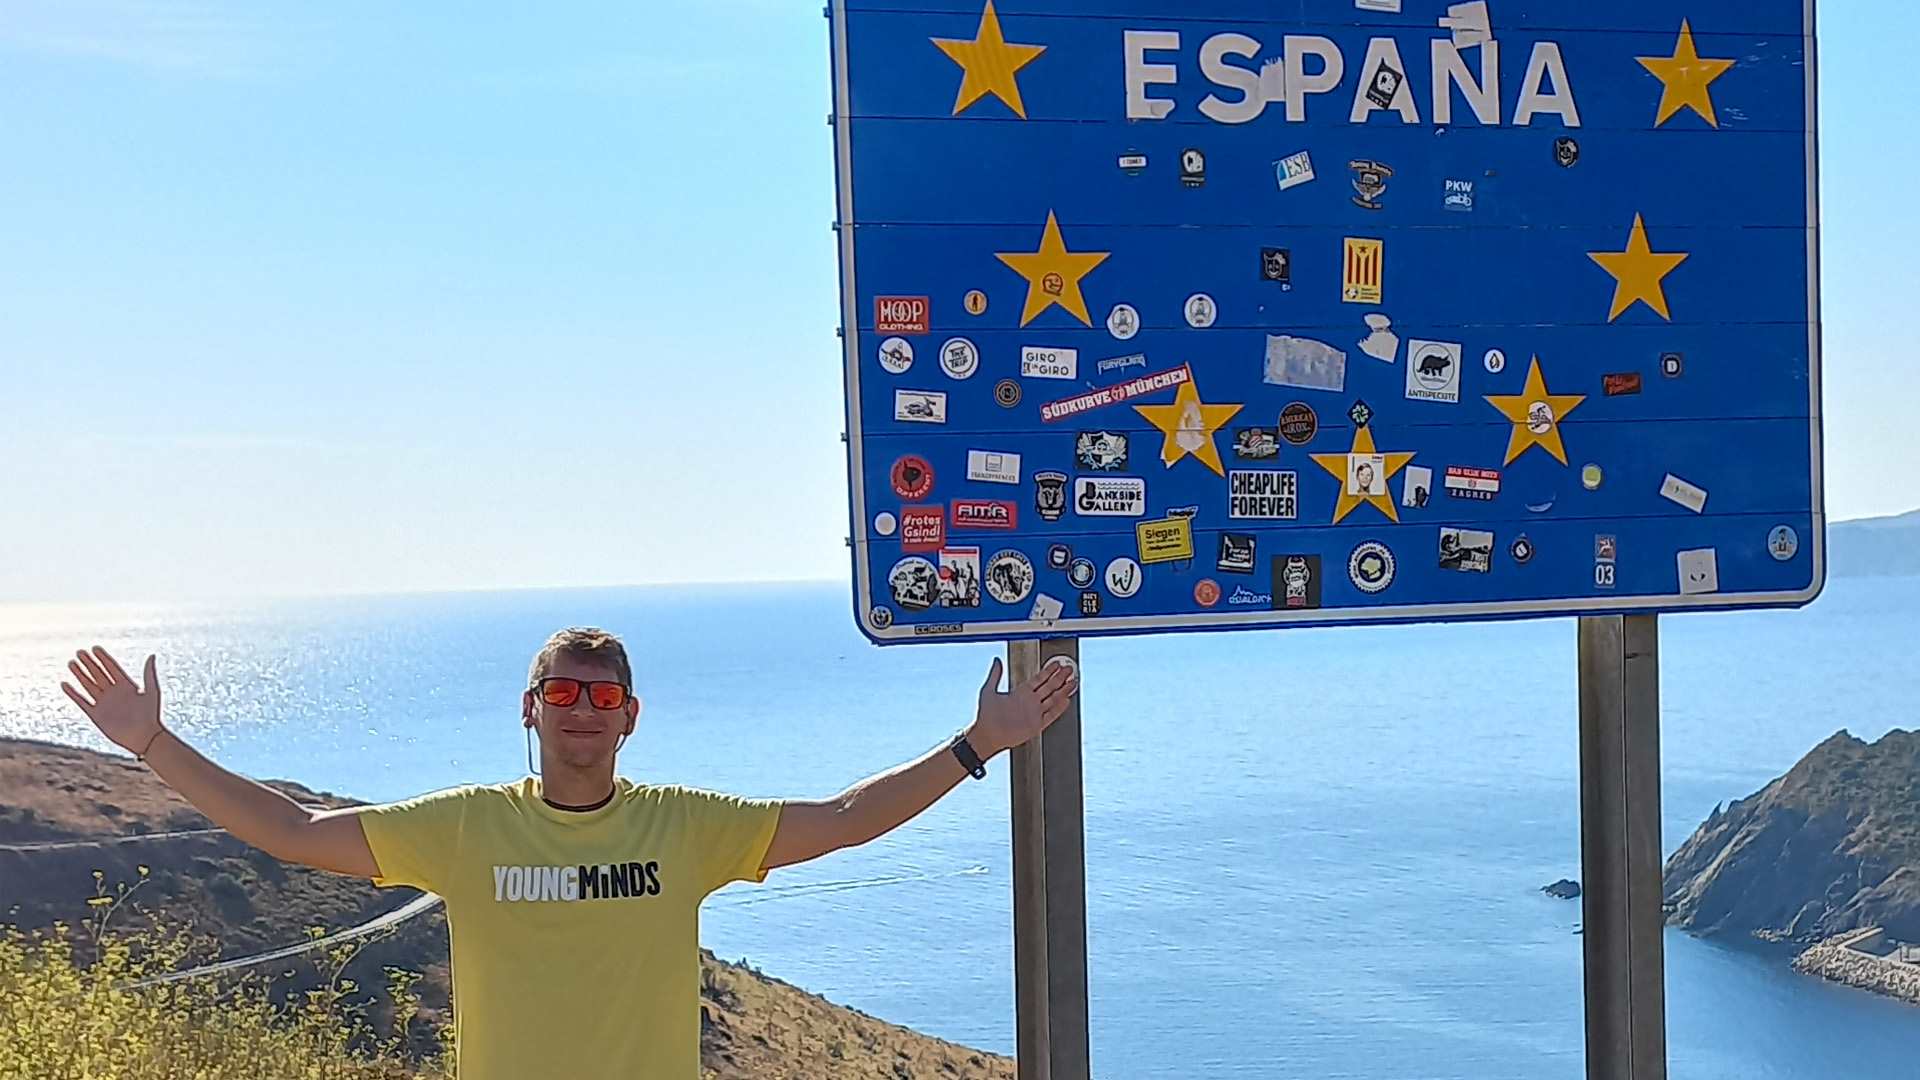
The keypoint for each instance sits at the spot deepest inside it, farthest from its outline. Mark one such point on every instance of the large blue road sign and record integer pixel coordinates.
(1224, 314)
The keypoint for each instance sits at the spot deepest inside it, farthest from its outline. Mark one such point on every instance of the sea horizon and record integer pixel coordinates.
(1307, 853)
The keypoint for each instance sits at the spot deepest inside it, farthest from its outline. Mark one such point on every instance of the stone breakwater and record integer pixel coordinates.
(1849, 960)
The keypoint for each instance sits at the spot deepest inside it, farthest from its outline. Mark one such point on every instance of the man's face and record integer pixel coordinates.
(579, 735)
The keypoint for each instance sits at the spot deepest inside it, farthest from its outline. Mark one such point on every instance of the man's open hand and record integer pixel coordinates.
(1014, 718)
(121, 710)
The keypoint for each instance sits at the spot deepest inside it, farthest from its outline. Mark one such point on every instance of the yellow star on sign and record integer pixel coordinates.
(1638, 271)
(1687, 78)
(1354, 473)
(1190, 427)
(991, 64)
(1536, 416)
(1053, 274)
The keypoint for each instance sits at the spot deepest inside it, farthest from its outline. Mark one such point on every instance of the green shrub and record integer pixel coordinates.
(70, 1009)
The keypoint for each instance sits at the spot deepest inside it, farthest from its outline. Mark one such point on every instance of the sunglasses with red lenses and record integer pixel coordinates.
(562, 692)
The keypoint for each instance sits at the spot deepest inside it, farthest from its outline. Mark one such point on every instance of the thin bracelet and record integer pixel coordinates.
(142, 755)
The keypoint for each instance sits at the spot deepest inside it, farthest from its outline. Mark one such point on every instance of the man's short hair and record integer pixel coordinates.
(588, 643)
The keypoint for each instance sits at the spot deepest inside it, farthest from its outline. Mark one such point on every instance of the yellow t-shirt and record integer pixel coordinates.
(575, 935)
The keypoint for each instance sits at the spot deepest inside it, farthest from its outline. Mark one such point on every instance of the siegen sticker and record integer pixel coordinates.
(1170, 540)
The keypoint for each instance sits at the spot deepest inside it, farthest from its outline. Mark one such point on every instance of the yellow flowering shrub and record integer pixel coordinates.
(71, 1009)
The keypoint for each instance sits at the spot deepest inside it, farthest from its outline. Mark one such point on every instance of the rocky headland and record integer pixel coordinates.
(1826, 856)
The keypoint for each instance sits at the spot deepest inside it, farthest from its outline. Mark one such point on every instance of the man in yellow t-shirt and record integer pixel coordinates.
(572, 895)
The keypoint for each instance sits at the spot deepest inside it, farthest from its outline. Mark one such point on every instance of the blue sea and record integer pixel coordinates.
(1310, 853)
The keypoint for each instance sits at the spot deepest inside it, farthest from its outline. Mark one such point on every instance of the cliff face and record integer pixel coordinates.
(1831, 846)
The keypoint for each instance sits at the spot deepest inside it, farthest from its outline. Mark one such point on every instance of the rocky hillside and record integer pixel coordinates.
(1831, 846)
(57, 803)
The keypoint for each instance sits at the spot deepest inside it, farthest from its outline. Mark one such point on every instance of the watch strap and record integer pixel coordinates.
(968, 756)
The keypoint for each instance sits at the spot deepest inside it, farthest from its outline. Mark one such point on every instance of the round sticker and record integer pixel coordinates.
(1202, 312)
(896, 355)
(1299, 424)
(1123, 322)
(1206, 593)
(1434, 365)
(959, 358)
(1123, 577)
(912, 477)
(1009, 577)
(1371, 567)
(976, 303)
(1591, 477)
(885, 523)
(1007, 393)
(1539, 418)
(1522, 551)
(1496, 361)
(880, 617)
(1061, 661)
(1081, 573)
(915, 583)
(1059, 556)
(1783, 543)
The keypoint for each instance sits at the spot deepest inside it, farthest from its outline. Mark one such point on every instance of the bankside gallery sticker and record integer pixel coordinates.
(1117, 496)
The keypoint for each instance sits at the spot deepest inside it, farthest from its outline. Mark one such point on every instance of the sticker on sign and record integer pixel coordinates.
(1040, 363)
(1169, 540)
(1116, 395)
(1118, 496)
(1260, 495)
(989, 467)
(901, 314)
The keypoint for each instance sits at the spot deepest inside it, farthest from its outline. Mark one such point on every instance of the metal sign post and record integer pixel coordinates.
(1620, 847)
(1049, 885)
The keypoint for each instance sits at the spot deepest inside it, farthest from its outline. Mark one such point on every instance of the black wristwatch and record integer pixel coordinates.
(969, 757)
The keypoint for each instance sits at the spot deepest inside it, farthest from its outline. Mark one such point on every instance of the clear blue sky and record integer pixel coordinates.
(343, 297)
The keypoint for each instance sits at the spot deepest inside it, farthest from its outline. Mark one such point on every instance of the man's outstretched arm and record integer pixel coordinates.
(256, 814)
(879, 804)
